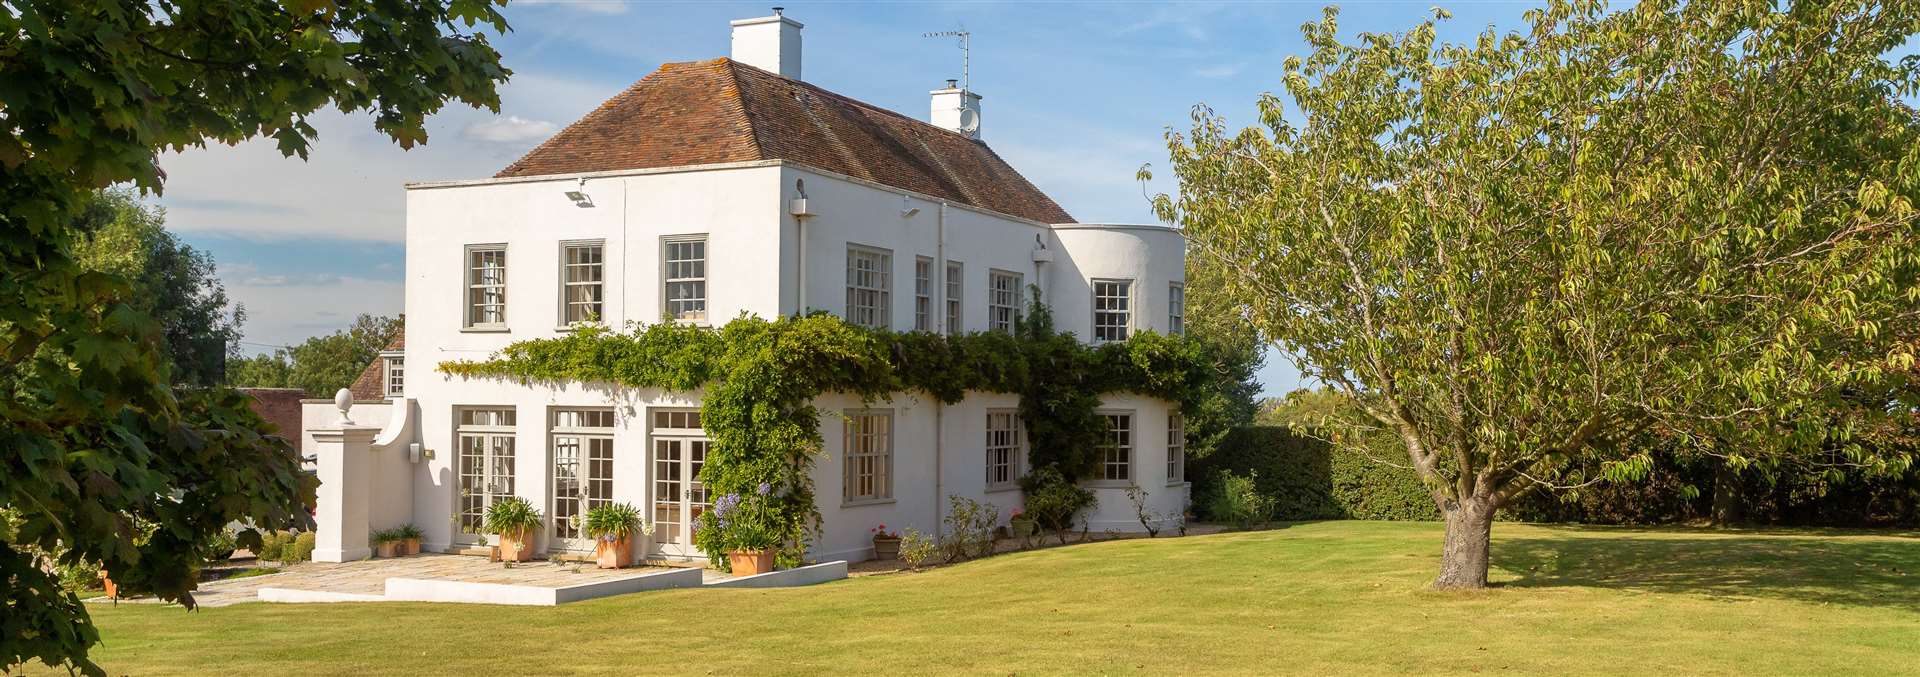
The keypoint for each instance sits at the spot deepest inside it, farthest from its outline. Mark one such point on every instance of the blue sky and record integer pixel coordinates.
(1077, 97)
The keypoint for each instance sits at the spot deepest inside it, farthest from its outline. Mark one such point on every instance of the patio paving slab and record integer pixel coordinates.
(369, 577)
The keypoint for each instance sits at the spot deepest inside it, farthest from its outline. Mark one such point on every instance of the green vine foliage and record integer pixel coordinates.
(761, 377)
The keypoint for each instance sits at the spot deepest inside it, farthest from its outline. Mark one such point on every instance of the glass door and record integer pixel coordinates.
(485, 467)
(679, 498)
(582, 473)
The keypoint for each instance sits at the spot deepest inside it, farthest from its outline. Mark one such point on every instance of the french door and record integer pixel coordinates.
(679, 498)
(582, 473)
(485, 466)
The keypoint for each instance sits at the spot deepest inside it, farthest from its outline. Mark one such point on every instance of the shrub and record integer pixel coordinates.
(272, 543)
(221, 544)
(616, 522)
(741, 522)
(1238, 500)
(512, 515)
(1053, 501)
(299, 548)
(970, 526)
(1307, 479)
(916, 548)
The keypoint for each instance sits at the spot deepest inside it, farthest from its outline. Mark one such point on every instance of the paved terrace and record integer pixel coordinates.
(369, 577)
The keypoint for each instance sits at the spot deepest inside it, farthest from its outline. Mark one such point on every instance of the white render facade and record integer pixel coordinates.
(705, 244)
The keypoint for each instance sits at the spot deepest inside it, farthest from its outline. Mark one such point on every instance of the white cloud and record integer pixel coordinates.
(509, 129)
(286, 312)
(352, 186)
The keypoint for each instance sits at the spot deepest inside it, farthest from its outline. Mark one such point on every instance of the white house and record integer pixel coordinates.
(707, 190)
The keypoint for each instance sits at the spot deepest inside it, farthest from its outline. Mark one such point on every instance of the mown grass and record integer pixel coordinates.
(1317, 598)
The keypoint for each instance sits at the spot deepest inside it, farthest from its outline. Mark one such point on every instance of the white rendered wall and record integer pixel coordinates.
(1153, 257)
(755, 258)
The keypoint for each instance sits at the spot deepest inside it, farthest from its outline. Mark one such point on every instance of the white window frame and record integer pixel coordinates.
(1117, 451)
(503, 426)
(1005, 457)
(393, 373)
(1176, 449)
(566, 284)
(595, 428)
(878, 314)
(955, 282)
(1177, 308)
(922, 293)
(1109, 332)
(700, 282)
(469, 301)
(1003, 302)
(866, 454)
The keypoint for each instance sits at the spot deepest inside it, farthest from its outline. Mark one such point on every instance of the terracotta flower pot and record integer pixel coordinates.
(516, 547)
(410, 546)
(386, 550)
(886, 547)
(613, 554)
(751, 562)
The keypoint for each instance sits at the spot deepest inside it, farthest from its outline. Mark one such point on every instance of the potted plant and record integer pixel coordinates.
(385, 543)
(886, 544)
(612, 527)
(745, 528)
(514, 520)
(409, 539)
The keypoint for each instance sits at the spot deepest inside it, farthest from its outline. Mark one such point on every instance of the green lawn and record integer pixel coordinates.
(1315, 598)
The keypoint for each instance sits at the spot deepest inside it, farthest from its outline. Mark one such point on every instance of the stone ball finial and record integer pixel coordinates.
(343, 400)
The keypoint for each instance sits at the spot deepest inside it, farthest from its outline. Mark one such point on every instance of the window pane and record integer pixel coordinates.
(685, 279)
(869, 287)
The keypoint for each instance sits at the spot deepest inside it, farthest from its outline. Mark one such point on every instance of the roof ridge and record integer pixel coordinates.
(853, 101)
(738, 102)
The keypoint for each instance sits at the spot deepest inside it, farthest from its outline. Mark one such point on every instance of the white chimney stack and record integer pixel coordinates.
(769, 43)
(957, 109)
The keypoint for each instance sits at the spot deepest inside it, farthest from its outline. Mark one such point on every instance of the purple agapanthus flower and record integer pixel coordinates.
(765, 488)
(725, 504)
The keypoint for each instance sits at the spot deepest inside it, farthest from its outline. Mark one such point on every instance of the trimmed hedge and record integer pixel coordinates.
(1307, 479)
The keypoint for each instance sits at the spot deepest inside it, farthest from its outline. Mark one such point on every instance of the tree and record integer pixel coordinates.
(91, 91)
(325, 364)
(1524, 254)
(265, 370)
(171, 282)
(1233, 350)
(320, 365)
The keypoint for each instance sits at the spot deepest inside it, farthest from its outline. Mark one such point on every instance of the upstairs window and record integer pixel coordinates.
(396, 375)
(684, 278)
(1177, 309)
(1003, 300)
(956, 279)
(582, 282)
(1112, 309)
(487, 286)
(923, 294)
(869, 286)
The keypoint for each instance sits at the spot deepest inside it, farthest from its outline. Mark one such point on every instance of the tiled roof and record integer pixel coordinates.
(372, 384)
(717, 111)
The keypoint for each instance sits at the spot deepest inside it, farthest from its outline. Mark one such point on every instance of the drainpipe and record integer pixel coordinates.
(626, 286)
(940, 408)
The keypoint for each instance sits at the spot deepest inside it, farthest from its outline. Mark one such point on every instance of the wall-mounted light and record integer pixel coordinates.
(907, 210)
(580, 197)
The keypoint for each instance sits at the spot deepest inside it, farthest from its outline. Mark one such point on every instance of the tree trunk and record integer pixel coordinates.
(1726, 496)
(1463, 560)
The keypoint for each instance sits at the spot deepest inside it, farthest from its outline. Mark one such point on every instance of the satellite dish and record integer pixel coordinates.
(969, 120)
